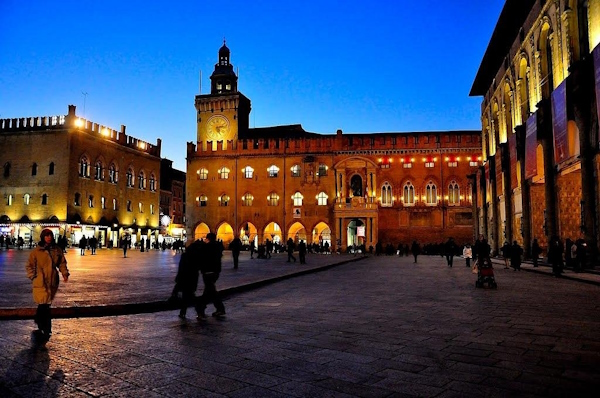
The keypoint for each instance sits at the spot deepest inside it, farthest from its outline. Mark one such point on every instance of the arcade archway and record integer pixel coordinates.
(273, 232)
(321, 234)
(356, 232)
(248, 233)
(225, 234)
(297, 232)
(201, 231)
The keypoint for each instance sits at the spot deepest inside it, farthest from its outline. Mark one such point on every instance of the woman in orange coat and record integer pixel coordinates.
(43, 266)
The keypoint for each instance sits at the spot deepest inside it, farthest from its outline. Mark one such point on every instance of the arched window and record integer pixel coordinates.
(77, 200)
(51, 169)
(141, 207)
(356, 185)
(113, 174)
(202, 174)
(408, 194)
(247, 200)
(453, 193)
(386, 195)
(296, 170)
(129, 209)
(115, 204)
(273, 199)
(142, 180)
(273, 171)
(297, 197)
(248, 172)
(130, 177)
(103, 202)
(9, 200)
(152, 183)
(6, 169)
(34, 169)
(431, 194)
(322, 199)
(44, 199)
(99, 171)
(26, 199)
(84, 167)
(202, 200)
(91, 201)
(223, 173)
(224, 200)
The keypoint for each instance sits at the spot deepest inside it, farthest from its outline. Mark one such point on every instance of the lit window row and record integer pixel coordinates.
(27, 198)
(143, 182)
(91, 203)
(272, 199)
(430, 162)
(248, 172)
(430, 195)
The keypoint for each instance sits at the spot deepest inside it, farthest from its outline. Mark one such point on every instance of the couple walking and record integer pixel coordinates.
(205, 258)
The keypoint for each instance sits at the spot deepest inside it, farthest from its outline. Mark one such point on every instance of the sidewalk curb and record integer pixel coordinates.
(539, 271)
(95, 311)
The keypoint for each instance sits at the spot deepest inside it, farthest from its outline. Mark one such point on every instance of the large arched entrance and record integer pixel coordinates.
(321, 234)
(201, 231)
(273, 232)
(297, 232)
(356, 232)
(248, 233)
(225, 234)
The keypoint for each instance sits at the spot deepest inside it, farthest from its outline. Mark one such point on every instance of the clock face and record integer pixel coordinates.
(217, 127)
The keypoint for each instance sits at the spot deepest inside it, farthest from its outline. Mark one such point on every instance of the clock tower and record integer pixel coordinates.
(224, 114)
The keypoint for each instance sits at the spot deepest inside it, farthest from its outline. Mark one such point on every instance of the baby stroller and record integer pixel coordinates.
(485, 274)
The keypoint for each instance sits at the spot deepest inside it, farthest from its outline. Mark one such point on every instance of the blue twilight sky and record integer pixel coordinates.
(360, 66)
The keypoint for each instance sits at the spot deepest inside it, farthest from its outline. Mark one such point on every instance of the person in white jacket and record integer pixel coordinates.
(468, 254)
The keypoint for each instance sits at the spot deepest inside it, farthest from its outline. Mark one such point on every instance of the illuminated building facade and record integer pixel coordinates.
(540, 83)
(172, 201)
(283, 182)
(77, 178)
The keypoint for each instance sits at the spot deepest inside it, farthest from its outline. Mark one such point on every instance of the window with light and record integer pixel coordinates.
(297, 199)
(130, 177)
(141, 207)
(103, 202)
(112, 174)
(247, 200)
(322, 199)
(386, 195)
(152, 183)
(99, 172)
(9, 200)
(224, 200)
(84, 167)
(273, 199)
(273, 171)
(323, 170)
(115, 207)
(129, 206)
(202, 200)
(26, 199)
(248, 172)
(141, 180)
(223, 173)
(202, 174)
(90, 201)
(431, 194)
(151, 209)
(408, 194)
(296, 170)
(453, 193)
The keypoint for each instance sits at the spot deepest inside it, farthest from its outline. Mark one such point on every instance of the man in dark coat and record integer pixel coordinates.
(186, 280)
(235, 246)
(450, 249)
(290, 250)
(302, 252)
(210, 267)
(515, 256)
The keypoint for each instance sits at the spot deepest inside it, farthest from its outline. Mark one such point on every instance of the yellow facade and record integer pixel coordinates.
(71, 189)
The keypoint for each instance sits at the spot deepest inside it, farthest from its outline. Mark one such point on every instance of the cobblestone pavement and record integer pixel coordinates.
(109, 279)
(381, 327)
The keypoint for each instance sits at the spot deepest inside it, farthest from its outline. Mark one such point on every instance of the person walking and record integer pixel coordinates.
(235, 246)
(125, 245)
(82, 245)
(252, 249)
(515, 256)
(210, 267)
(505, 249)
(580, 254)
(535, 252)
(269, 245)
(290, 250)
(93, 244)
(302, 252)
(450, 249)
(468, 254)
(415, 250)
(186, 280)
(43, 266)
(555, 255)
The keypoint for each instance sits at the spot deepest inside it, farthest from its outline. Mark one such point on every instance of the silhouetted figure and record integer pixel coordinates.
(290, 250)
(535, 252)
(186, 280)
(450, 248)
(210, 267)
(235, 246)
(516, 252)
(82, 245)
(415, 249)
(302, 252)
